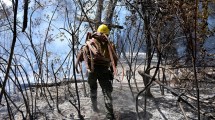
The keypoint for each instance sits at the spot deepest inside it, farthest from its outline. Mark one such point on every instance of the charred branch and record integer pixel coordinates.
(61, 83)
(97, 22)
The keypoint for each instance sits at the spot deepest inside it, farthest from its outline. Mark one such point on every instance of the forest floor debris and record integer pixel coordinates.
(160, 107)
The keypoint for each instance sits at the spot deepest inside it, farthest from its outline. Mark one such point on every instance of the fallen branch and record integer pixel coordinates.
(61, 83)
(182, 109)
(203, 101)
(183, 66)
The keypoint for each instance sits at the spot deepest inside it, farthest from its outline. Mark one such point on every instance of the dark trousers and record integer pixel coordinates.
(103, 75)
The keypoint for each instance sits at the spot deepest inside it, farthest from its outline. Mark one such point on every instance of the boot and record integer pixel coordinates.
(110, 116)
(94, 106)
(108, 105)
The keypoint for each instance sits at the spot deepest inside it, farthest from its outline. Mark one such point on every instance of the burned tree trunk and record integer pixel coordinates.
(148, 47)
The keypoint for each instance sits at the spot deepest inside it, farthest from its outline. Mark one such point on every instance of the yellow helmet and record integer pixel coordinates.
(103, 29)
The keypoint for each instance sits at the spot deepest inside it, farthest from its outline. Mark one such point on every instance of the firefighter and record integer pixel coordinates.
(103, 68)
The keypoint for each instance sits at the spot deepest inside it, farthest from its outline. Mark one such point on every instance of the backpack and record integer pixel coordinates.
(98, 50)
